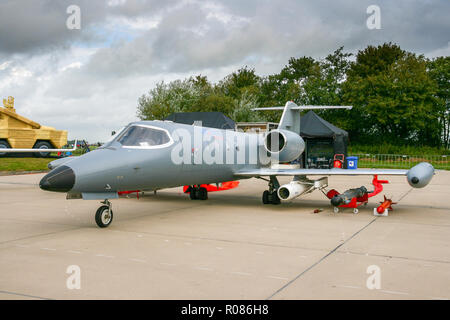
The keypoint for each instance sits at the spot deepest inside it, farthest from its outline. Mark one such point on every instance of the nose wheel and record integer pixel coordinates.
(104, 214)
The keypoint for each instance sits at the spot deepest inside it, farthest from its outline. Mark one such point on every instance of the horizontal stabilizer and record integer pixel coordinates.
(303, 108)
(290, 120)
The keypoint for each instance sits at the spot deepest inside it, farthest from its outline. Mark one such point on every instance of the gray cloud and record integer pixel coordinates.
(187, 38)
(28, 25)
(134, 8)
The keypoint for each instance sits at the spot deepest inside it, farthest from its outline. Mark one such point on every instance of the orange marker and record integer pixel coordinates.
(386, 204)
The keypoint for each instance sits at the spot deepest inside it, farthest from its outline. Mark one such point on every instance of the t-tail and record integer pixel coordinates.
(290, 120)
(285, 144)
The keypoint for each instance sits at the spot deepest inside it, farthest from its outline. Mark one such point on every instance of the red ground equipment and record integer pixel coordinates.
(338, 161)
(358, 201)
(386, 204)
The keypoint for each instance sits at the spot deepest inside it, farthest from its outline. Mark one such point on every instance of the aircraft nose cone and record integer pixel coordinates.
(60, 179)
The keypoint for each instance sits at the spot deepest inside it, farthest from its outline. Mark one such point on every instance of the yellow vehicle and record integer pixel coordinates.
(21, 133)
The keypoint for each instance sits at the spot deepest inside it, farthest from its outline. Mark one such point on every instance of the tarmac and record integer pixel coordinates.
(166, 246)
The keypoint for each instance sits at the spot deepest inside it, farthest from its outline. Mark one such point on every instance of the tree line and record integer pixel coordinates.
(398, 97)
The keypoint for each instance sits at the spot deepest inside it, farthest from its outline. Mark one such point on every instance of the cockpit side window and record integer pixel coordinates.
(141, 136)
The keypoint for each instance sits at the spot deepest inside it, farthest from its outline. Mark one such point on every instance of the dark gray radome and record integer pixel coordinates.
(60, 179)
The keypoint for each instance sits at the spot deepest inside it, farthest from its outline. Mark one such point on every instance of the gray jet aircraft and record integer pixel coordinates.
(153, 155)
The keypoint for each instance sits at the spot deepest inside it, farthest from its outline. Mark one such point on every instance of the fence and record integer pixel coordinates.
(396, 161)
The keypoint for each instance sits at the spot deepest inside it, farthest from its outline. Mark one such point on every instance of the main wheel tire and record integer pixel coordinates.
(104, 216)
(275, 198)
(265, 197)
(42, 145)
(4, 145)
(193, 194)
(202, 193)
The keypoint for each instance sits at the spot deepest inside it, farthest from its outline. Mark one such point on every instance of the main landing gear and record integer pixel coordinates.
(197, 193)
(104, 214)
(270, 196)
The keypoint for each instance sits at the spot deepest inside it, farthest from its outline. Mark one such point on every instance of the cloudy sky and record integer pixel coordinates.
(87, 81)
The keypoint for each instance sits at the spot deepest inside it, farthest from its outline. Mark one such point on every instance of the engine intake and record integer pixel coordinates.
(283, 145)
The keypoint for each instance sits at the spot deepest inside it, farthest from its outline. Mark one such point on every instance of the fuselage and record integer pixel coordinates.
(183, 155)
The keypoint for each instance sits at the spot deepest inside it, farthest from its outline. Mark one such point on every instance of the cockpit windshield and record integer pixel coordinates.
(143, 136)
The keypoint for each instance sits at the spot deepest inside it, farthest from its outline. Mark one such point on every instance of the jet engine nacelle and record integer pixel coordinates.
(420, 175)
(284, 145)
(292, 190)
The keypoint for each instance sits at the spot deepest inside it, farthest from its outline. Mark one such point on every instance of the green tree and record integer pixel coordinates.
(375, 60)
(277, 89)
(398, 97)
(243, 80)
(439, 71)
(197, 94)
(165, 99)
(177, 96)
(243, 109)
(298, 69)
(324, 87)
(242, 88)
(392, 95)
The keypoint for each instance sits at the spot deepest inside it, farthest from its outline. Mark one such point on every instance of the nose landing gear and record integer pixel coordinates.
(104, 214)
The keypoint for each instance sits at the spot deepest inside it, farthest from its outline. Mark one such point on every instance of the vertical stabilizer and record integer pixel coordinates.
(290, 120)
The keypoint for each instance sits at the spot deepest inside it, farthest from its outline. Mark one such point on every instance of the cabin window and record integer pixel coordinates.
(141, 136)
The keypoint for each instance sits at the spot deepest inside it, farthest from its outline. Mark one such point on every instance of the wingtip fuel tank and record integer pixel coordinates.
(420, 175)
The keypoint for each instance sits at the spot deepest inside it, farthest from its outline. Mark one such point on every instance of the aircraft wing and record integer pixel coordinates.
(319, 172)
